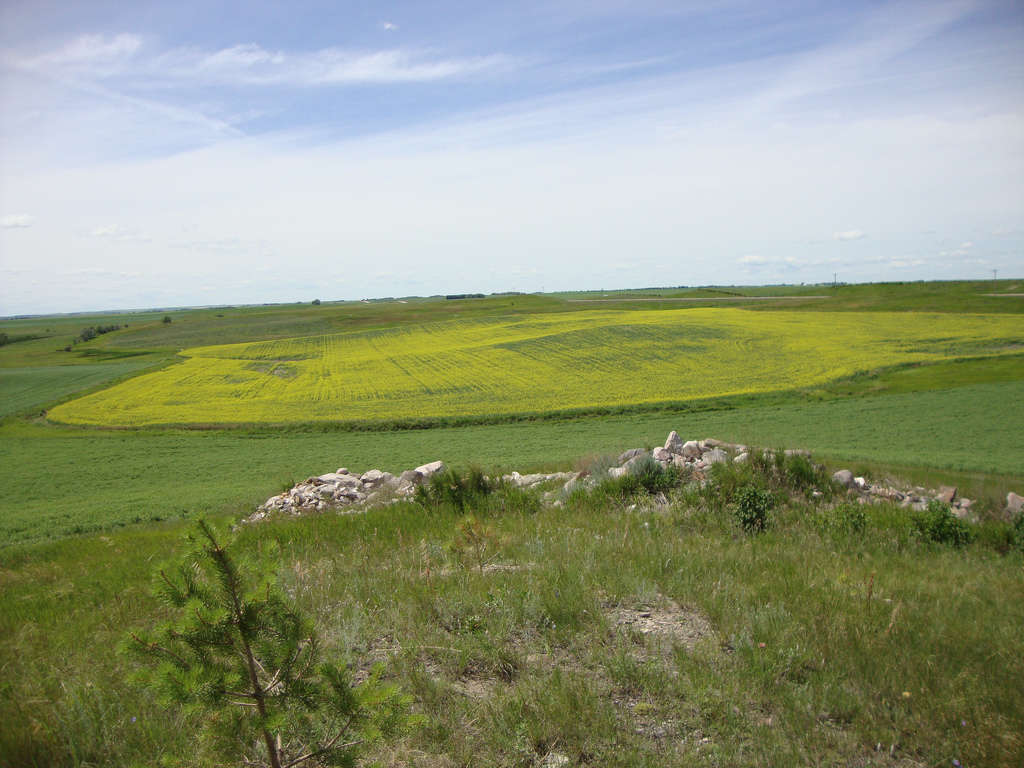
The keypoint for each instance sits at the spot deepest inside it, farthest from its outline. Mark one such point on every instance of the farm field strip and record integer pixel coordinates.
(24, 388)
(156, 474)
(539, 363)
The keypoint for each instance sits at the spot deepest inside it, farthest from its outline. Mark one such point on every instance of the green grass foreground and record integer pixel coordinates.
(810, 644)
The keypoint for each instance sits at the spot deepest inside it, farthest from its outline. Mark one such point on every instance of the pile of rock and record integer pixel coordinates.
(697, 455)
(916, 498)
(346, 491)
(342, 488)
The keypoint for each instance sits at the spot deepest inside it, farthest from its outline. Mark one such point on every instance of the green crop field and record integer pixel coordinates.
(540, 363)
(22, 389)
(98, 480)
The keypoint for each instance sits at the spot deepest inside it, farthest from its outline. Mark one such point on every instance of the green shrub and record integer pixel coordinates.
(848, 517)
(937, 523)
(644, 476)
(1017, 532)
(752, 508)
(451, 489)
(238, 652)
(652, 476)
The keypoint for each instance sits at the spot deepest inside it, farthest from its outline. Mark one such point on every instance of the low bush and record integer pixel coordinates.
(644, 476)
(449, 488)
(752, 508)
(847, 518)
(938, 524)
(1017, 532)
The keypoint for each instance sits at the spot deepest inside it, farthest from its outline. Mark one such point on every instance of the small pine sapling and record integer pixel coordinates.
(475, 540)
(238, 653)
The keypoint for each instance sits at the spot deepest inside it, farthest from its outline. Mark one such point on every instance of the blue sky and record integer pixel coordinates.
(165, 154)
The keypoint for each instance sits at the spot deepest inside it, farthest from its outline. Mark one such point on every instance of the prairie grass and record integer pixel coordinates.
(622, 628)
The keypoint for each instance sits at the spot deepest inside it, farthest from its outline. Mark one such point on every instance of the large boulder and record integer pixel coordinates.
(661, 454)
(410, 477)
(844, 477)
(1014, 504)
(431, 469)
(632, 453)
(946, 494)
(715, 456)
(674, 443)
(691, 449)
(373, 477)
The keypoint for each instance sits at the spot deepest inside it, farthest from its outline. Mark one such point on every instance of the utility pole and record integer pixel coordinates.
(994, 273)
(835, 280)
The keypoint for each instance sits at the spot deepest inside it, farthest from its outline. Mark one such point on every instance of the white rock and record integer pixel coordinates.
(715, 456)
(632, 453)
(741, 458)
(661, 454)
(691, 449)
(372, 477)
(844, 477)
(434, 467)
(674, 443)
(1014, 503)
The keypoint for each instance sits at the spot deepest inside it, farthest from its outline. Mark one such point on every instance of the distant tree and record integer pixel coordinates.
(4, 338)
(167, 320)
(316, 302)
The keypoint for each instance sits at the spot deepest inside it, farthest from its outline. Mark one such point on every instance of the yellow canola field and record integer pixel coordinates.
(534, 363)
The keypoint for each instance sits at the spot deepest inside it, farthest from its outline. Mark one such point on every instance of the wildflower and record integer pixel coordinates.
(906, 694)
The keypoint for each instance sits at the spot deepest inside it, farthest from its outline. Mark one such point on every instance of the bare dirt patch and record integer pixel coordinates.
(663, 624)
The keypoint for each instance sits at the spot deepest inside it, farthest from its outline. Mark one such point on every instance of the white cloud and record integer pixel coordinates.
(86, 51)
(752, 258)
(16, 221)
(849, 234)
(119, 58)
(388, 26)
(119, 233)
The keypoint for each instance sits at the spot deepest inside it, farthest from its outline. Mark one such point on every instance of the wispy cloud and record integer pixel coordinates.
(16, 221)
(126, 59)
(86, 52)
(849, 234)
(120, 234)
(388, 26)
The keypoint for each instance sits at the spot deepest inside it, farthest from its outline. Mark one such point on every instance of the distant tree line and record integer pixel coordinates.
(451, 296)
(90, 333)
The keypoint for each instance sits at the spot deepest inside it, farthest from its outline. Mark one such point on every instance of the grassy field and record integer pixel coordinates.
(812, 644)
(544, 362)
(62, 481)
(620, 630)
